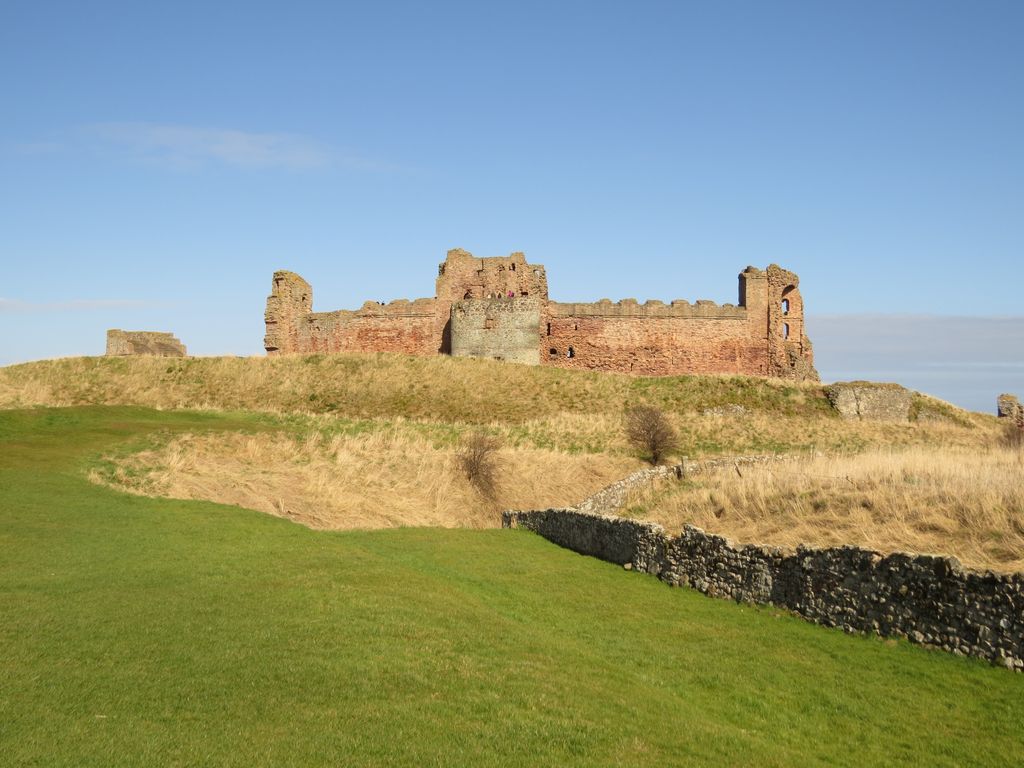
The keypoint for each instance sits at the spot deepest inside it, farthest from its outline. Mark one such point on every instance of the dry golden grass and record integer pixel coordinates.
(383, 478)
(438, 388)
(386, 428)
(938, 500)
(533, 406)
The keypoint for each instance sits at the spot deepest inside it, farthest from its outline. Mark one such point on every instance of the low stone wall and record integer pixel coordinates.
(612, 497)
(930, 600)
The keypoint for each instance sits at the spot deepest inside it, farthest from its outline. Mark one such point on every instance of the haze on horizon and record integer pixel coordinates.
(163, 161)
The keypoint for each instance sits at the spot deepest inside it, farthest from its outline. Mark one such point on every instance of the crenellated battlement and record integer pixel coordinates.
(678, 308)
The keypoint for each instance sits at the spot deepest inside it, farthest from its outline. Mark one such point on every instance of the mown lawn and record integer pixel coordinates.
(147, 632)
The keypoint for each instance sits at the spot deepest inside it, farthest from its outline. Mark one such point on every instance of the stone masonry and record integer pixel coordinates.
(928, 599)
(1009, 407)
(121, 343)
(498, 307)
(868, 401)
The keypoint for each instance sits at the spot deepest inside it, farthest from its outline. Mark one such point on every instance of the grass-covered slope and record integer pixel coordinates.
(539, 406)
(152, 632)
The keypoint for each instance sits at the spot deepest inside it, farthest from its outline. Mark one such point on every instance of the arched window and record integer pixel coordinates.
(785, 306)
(571, 352)
(785, 330)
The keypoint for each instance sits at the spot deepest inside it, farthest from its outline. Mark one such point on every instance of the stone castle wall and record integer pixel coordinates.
(503, 329)
(496, 306)
(121, 343)
(930, 600)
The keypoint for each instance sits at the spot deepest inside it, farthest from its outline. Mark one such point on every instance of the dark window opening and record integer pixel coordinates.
(512, 267)
(571, 352)
(468, 295)
(552, 351)
(549, 329)
(785, 330)
(576, 326)
(524, 293)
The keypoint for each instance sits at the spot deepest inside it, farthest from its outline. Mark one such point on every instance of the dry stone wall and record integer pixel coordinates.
(930, 600)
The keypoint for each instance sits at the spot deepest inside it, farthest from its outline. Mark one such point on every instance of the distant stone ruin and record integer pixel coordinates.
(1009, 407)
(868, 401)
(123, 343)
(498, 307)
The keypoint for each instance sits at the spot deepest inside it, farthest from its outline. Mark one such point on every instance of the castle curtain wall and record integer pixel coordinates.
(503, 312)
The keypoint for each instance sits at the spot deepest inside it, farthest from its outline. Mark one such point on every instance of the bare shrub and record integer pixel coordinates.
(650, 432)
(478, 459)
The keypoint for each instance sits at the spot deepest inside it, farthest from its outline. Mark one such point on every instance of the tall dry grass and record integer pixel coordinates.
(437, 388)
(939, 500)
(388, 477)
(536, 406)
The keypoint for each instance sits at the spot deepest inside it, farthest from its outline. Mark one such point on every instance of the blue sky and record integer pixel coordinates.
(158, 161)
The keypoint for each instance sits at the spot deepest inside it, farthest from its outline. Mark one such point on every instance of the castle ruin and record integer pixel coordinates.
(498, 307)
(158, 343)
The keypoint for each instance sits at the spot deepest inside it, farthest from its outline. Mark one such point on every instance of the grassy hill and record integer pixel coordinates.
(539, 406)
(142, 631)
(371, 441)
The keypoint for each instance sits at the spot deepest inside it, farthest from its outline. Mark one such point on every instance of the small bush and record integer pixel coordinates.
(649, 431)
(478, 459)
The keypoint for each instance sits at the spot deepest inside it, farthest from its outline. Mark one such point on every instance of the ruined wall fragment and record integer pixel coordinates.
(161, 344)
(870, 401)
(1009, 407)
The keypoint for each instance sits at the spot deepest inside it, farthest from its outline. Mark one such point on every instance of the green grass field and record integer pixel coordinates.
(138, 631)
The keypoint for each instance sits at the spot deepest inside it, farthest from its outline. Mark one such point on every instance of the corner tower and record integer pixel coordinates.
(289, 303)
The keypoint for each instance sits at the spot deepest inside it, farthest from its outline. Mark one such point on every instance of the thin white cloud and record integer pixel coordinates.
(17, 306)
(189, 147)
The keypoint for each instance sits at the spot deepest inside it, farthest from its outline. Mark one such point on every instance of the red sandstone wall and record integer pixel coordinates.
(651, 339)
(409, 329)
(654, 346)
